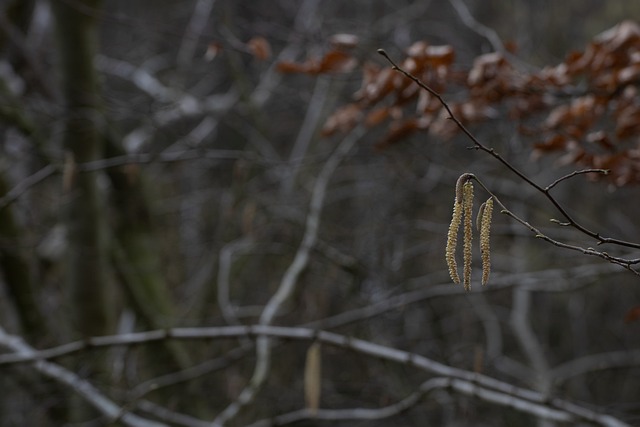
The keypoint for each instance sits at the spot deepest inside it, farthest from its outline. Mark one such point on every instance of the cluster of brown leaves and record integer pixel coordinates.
(585, 109)
(337, 60)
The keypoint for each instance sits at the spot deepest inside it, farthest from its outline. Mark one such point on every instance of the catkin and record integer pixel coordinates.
(464, 178)
(467, 204)
(452, 240)
(485, 237)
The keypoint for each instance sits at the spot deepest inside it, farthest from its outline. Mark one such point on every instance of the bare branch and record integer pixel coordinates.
(195, 27)
(290, 278)
(574, 173)
(626, 263)
(478, 145)
(26, 184)
(595, 362)
(471, 22)
(81, 387)
(482, 386)
(527, 339)
(429, 386)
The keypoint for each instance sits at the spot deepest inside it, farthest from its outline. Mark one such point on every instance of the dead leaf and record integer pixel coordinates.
(259, 48)
(632, 315)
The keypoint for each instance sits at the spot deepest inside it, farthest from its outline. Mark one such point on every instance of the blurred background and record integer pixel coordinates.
(158, 170)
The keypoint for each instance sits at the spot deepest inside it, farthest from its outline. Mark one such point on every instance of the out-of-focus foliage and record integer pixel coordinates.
(584, 108)
(239, 189)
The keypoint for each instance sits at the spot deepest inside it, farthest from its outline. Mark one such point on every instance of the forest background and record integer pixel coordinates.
(209, 187)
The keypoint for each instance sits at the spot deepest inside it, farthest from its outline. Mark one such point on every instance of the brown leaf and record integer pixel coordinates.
(343, 120)
(554, 143)
(336, 61)
(601, 138)
(628, 123)
(288, 67)
(397, 132)
(260, 48)
(632, 315)
(619, 37)
(377, 116)
(440, 55)
(486, 67)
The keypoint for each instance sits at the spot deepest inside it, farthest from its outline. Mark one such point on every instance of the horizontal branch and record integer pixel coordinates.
(429, 386)
(482, 386)
(81, 387)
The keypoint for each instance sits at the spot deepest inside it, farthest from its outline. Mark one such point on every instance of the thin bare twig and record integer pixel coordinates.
(289, 281)
(26, 184)
(574, 173)
(81, 387)
(471, 22)
(478, 145)
(626, 263)
(472, 383)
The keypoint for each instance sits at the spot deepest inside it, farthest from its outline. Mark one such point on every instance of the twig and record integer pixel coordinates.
(471, 22)
(478, 145)
(527, 339)
(195, 27)
(626, 263)
(472, 383)
(167, 157)
(26, 184)
(574, 173)
(595, 362)
(225, 261)
(81, 387)
(539, 283)
(289, 281)
(429, 386)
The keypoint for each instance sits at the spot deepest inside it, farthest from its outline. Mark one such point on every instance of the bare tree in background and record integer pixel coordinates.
(201, 224)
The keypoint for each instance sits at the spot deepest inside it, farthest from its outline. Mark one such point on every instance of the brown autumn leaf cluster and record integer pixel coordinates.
(337, 60)
(585, 110)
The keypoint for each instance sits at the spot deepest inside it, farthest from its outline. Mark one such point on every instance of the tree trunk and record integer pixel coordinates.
(89, 290)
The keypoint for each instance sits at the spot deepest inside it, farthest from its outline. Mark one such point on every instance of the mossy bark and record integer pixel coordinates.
(136, 256)
(88, 282)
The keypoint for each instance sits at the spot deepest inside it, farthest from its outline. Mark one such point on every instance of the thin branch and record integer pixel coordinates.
(527, 339)
(195, 27)
(165, 157)
(429, 386)
(26, 184)
(289, 281)
(574, 173)
(626, 263)
(595, 362)
(306, 133)
(470, 21)
(225, 261)
(81, 387)
(482, 386)
(478, 145)
(188, 374)
(538, 283)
